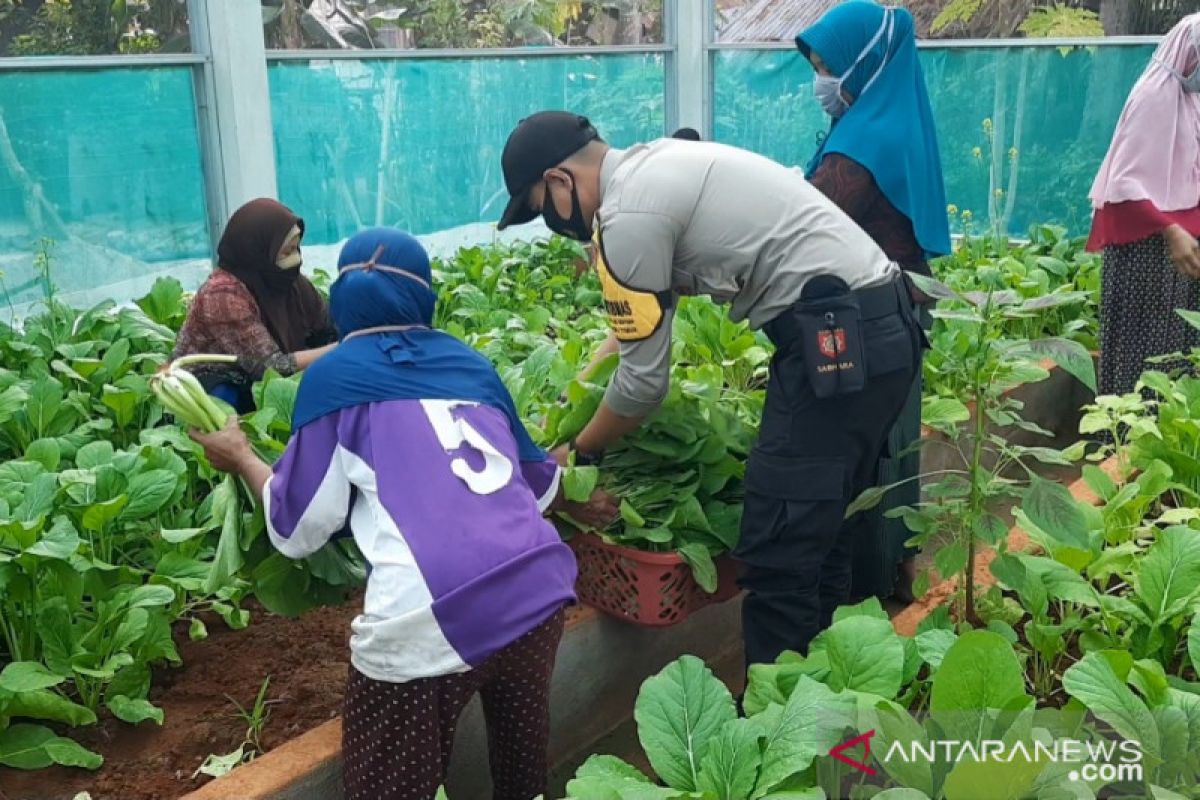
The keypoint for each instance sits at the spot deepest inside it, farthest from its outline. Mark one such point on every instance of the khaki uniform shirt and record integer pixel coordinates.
(682, 218)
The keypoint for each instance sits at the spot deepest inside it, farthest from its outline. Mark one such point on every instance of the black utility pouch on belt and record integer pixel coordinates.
(829, 324)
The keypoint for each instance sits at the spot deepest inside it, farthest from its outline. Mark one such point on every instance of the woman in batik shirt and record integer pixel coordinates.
(256, 305)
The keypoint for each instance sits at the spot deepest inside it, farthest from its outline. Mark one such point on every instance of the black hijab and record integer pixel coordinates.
(289, 304)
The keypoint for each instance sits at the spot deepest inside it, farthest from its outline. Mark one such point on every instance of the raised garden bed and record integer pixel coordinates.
(601, 664)
(306, 658)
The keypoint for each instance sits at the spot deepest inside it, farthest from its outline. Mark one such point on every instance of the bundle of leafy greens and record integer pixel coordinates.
(679, 476)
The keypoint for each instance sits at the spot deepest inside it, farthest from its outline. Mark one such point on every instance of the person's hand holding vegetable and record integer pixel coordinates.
(229, 450)
(597, 513)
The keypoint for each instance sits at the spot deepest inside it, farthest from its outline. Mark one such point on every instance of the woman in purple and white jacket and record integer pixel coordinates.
(410, 435)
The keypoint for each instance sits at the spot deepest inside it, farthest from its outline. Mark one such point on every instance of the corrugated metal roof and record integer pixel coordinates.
(773, 20)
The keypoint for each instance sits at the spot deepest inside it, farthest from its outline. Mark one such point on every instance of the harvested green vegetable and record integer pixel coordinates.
(182, 395)
(679, 476)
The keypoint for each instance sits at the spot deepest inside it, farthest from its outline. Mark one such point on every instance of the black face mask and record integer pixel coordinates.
(575, 227)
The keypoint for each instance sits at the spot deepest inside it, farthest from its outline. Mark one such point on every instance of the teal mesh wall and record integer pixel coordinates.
(1052, 114)
(106, 164)
(416, 143)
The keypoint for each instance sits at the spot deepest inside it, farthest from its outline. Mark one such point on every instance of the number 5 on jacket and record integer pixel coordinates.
(454, 433)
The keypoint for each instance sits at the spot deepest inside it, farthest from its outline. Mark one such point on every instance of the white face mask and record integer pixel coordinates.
(828, 89)
(289, 262)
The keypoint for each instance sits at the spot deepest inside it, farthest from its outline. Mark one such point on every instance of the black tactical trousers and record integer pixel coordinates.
(812, 458)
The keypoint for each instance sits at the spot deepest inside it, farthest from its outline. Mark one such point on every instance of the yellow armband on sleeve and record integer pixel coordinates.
(633, 314)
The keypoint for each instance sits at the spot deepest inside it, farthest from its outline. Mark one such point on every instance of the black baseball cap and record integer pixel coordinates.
(538, 143)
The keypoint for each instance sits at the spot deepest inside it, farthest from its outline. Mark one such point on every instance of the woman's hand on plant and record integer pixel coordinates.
(228, 450)
(597, 513)
(1184, 250)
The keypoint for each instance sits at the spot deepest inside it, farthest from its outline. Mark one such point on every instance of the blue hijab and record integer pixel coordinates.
(888, 129)
(417, 364)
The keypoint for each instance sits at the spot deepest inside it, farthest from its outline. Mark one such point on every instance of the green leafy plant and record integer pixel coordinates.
(1135, 699)
(861, 652)
(1116, 419)
(1155, 427)
(679, 476)
(957, 514)
(1166, 432)
(1101, 581)
(256, 718)
(1051, 265)
(858, 677)
(695, 741)
(28, 690)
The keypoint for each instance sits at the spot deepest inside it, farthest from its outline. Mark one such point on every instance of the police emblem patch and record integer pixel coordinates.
(832, 343)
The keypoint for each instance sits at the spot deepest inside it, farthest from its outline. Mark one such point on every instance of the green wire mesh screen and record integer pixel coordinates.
(100, 171)
(1022, 129)
(416, 143)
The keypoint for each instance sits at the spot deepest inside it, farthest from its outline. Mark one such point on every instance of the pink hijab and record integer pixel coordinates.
(1155, 152)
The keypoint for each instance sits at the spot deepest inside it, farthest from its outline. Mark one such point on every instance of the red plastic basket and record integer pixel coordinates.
(649, 589)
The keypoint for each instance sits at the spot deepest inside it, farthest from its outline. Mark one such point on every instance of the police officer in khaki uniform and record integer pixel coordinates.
(674, 217)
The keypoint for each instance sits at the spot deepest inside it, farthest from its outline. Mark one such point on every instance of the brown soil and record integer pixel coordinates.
(306, 659)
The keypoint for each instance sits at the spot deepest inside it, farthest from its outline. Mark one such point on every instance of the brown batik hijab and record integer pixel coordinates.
(289, 304)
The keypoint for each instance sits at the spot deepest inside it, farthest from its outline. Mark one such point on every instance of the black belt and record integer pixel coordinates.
(875, 302)
(883, 301)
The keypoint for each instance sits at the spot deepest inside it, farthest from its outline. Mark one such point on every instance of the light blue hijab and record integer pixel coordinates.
(888, 128)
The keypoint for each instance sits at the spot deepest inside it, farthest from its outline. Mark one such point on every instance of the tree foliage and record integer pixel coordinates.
(1060, 21)
(499, 23)
(92, 27)
(955, 11)
(1050, 18)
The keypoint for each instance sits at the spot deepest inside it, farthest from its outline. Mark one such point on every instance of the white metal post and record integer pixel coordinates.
(689, 31)
(233, 105)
